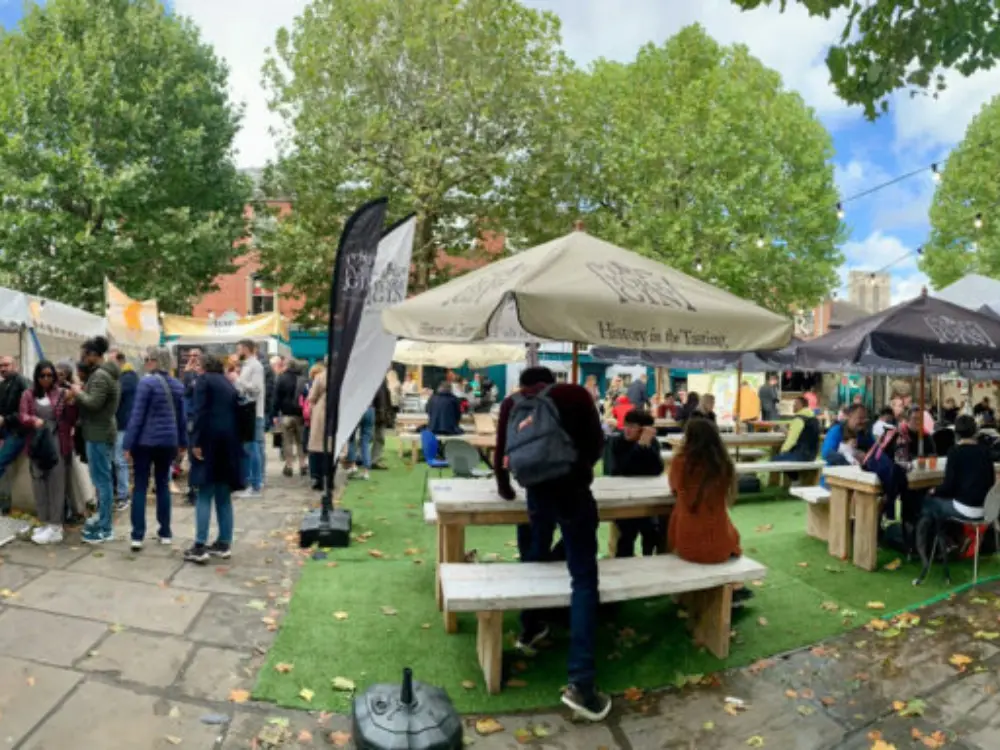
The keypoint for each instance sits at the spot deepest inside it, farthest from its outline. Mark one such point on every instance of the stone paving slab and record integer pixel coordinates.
(144, 658)
(214, 672)
(43, 637)
(227, 621)
(14, 576)
(48, 556)
(239, 580)
(138, 605)
(127, 566)
(27, 693)
(104, 717)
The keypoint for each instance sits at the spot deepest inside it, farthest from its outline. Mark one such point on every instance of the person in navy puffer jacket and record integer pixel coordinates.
(156, 433)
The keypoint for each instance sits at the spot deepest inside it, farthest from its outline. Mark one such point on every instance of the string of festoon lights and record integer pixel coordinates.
(933, 168)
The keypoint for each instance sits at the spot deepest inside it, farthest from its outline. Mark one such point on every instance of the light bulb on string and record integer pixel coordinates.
(978, 221)
(697, 264)
(840, 211)
(935, 174)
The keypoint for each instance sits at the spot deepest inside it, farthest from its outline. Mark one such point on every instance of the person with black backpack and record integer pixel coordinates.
(549, 437)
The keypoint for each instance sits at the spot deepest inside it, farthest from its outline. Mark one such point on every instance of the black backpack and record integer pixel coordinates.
(538, 448)
(42, 451)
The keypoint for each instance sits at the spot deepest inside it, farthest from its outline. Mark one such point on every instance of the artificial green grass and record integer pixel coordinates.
(643, 643)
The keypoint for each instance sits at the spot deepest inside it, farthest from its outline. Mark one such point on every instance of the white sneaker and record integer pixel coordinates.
(166, 541)
(40, 534)
(245, 494)
(55, 534)
(365, 475)
(135, 545)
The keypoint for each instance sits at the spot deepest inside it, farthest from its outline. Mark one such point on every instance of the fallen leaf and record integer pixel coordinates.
(339, 739)
(758, 584)
(270, 622)
(283, 668)
(172, 739)
(898, 706)
(915, 707)
(468, 684)
(762, 621)
(307, 695)
(539, 731)
(878, 625)
(875, 605)
(984, 636)
(894, 565)
(759, 666)
(523, 735)
(934, 740)
(633, 694)
(979, 600)
(342, 684)
(305, 737)
(731, 709)
(802, 564)
(30, 681)
(425, 626)
(708, 726)
(807, 694)
(340, 615)
(882, 745)
(791, 694)
(834, 569)
(376, 553)
(486, 727)
(239, 696)
(756, 741)
(256, 604)
(830, 606)
(765, 528)
(806, 710)
(389, 611)
(174, 713)
(828, 700)
(116, 628)
(411, 551)
(960, 661)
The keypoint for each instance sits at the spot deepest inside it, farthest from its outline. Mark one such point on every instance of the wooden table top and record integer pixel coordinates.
(745, 439)
(855, 477)
(475, 439)
(463, 496)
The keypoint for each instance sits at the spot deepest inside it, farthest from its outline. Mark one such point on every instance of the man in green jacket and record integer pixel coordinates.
(98, 403)
(802, 442)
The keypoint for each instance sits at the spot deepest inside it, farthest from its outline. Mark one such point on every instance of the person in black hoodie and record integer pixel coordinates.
(444, 411)
(635, 452)
(288, 390)
(968, 477)
(12, 387)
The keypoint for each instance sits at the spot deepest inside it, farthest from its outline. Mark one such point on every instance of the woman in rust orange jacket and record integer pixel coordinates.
(703, 479)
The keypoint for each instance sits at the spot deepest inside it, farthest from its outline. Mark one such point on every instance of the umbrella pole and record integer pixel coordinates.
(575, 368)
(923, 407)
(739, 399)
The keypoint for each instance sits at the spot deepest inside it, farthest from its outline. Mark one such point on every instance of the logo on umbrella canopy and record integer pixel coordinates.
(964, 332)
(640, 286)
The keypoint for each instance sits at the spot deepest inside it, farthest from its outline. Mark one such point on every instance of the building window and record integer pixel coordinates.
(262, 296)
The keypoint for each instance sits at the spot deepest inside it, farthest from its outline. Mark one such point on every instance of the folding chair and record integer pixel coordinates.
(429, 445)
(991, 511)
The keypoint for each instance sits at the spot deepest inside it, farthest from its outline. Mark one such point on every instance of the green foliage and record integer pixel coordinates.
(691, 152)
(888, 45)
(970, 187)
(116, 155)
(427, 102)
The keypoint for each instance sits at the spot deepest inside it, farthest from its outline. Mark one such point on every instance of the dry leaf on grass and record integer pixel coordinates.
(875, 605)
(802, 564)
(960, 661)
(283, 668)
(376, 553)
(342, 684)
(239, 696)
(756, 741)
(339, 739)
(340, 615)
(389, 611)
(307, 695)
(468, 684)
(830, 606)
(633, 694)
(488, 726)
(765, 528)
(791, 694)
(762, 621)
(894, 565)
(305, 737)
(523, 735)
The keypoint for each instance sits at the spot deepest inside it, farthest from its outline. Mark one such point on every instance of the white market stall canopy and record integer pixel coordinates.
(477, 355)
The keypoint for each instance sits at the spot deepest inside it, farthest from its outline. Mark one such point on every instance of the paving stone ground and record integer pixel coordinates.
(110, 650)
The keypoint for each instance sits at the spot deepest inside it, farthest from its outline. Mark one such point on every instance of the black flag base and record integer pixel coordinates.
(326, 528)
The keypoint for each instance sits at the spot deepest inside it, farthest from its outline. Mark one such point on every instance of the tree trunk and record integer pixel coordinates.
(424, 253)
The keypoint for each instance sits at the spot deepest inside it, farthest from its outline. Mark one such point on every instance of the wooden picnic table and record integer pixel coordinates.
(475, 502)
(852, 486)
(771, 440)
(484, 442)
(414, 420)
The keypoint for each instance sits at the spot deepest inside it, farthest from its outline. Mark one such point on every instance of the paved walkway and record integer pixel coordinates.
(106, 650)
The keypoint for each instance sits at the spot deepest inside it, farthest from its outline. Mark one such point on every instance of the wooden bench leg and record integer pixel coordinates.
(439, 560)
(839, 531)
(613, 536)
(866, 515)
(453, 551)
(414, 453)
(774, 479)
(818, 521)
(809, 478)
(489, 646)
(710, 618)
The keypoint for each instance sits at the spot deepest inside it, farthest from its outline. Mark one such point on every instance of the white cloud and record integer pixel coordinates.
(925, 123)
(886, 252)
(241, 31)
(903, 205)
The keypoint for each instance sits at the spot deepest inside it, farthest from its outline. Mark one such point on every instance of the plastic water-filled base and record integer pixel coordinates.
(411, 716)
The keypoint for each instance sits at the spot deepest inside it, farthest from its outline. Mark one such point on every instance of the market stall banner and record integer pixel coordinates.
(131, 322)
(254, 326)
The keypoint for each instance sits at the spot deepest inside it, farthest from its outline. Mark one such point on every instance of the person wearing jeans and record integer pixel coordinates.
(12, 388)
(156, 433)
(364, 433)
(128, 382)
(250, 384)
(217, 458)
(98, 400)
(565, 502)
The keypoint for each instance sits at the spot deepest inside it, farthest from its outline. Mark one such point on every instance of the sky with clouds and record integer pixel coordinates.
(885, 228)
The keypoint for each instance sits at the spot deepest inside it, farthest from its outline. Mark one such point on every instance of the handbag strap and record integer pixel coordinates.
(170, 396)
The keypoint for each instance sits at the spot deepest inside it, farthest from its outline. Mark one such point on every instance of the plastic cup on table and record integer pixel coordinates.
(932, 462)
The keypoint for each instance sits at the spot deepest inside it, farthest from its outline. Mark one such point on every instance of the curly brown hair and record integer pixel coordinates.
(705, 454)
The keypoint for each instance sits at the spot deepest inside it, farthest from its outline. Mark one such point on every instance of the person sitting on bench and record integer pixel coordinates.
(635, 452)
(802, 442)
(968, 477)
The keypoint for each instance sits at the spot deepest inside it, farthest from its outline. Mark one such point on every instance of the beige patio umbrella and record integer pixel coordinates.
(579, 288)
(421, 353)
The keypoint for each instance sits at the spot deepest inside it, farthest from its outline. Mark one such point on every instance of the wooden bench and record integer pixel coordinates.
(413, 440)
(808, 471)
(749, 454)
(705, 591)
(818, 513)
(430, 514)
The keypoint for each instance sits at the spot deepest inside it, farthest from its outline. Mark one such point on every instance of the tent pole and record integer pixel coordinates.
(575, 369)
(923, 408)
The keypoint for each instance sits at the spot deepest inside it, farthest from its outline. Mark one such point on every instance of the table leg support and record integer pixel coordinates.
(866, 515)
(453, 551)
(489, 645)
(710, 618)
(839, 533)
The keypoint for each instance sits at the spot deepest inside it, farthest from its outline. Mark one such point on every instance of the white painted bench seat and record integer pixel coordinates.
(778, 467)
(490, 590)
(817, 512)
(430, 514)
(745, 454)
(813, 495)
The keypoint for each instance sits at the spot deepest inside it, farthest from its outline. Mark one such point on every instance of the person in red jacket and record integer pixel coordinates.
(620, 410)
(566, 502)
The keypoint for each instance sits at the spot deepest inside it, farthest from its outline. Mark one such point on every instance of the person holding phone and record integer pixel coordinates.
(635, 452)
